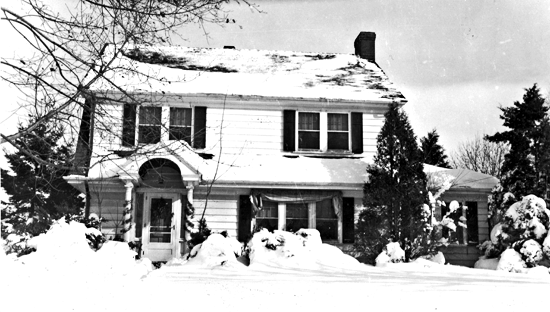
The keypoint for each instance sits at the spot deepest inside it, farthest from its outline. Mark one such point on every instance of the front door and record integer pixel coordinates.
(159, 226)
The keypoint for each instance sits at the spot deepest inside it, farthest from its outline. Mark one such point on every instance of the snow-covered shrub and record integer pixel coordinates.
(216, 250)
(531, 252)
(511, 261)
(199, 234)
(303, 249)
(392, 252)
(527, 219)
(524, 228)
(490, 249)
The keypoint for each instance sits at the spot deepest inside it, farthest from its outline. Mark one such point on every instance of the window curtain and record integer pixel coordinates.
(295, 196)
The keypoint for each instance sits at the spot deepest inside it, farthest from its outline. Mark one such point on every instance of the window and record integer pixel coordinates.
(156, 123)
(149, 124)
(180, 124)
(338, 132)
(308, 131)
(463, 235)
(323, 131)
(297, 217)
(326, 220)
(268, 217)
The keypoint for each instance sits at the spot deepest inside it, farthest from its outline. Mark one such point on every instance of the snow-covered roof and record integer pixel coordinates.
(275, 171)
(281, 74)
(464, 178)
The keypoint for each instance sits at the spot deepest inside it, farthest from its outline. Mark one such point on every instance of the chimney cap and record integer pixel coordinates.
(366, 35)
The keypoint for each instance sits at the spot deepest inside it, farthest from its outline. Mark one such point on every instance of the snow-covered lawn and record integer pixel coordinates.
(73, 279)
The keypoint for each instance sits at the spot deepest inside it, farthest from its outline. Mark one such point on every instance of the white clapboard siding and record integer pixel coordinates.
(221, 214)
(108, 126)
(372, 124)
(109, 206)
(482, 225)
(244, 131)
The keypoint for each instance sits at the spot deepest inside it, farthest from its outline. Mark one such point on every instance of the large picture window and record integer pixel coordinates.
(180, 124)
(149, 124)
(309, 131)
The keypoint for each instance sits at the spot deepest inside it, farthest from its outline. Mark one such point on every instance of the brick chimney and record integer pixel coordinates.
(364, 45)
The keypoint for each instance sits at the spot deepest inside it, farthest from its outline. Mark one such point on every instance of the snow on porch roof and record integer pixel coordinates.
(464, 178)
(282, 74)
(280, 171)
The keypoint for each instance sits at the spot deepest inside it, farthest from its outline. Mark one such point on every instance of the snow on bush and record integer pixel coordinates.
(216, 250)
(531, 251)
(525, 220)
(392, 252)
(303, 249)
(510, 261)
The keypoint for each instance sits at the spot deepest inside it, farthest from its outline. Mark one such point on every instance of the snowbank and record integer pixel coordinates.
(216, 250)
(63, 252)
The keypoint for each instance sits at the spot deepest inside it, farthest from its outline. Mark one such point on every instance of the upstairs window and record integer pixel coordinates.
(338, 131)
(154, 124)
(149, 124)
(180, 124)
(309, 131)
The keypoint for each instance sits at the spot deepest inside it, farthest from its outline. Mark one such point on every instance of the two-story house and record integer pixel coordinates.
(250, 138)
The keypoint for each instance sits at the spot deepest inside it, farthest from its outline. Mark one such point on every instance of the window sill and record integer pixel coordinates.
(327, 154)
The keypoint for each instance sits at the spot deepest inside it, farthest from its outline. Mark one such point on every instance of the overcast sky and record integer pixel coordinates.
(455, 61)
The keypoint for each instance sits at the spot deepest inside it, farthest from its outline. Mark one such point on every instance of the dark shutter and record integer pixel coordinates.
(199, 138)
(348, 216)
(289, 131)
(357, 133)
(245, 216)
(129, 125)
(139, 214)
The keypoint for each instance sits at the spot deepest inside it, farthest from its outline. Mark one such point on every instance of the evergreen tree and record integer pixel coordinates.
(525, 165)
(396, 189)
(432, 152)
(38, 192)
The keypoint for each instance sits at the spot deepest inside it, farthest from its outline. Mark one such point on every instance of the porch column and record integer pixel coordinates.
(465, 229)
(340, 228)
(127, 217)
(190, 189)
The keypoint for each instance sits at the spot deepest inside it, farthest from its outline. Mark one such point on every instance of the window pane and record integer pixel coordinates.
(180, 116)
(268, 217)
(161, 220)
(308, 121)
(326, 220)
(296, 217)
(338, 141)
(180, 133)
(338, 122)
(471, 217)
(149, 115)
(149, 134)
(308, 140)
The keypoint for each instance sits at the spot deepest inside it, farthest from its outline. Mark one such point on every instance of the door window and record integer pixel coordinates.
(161, 220)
